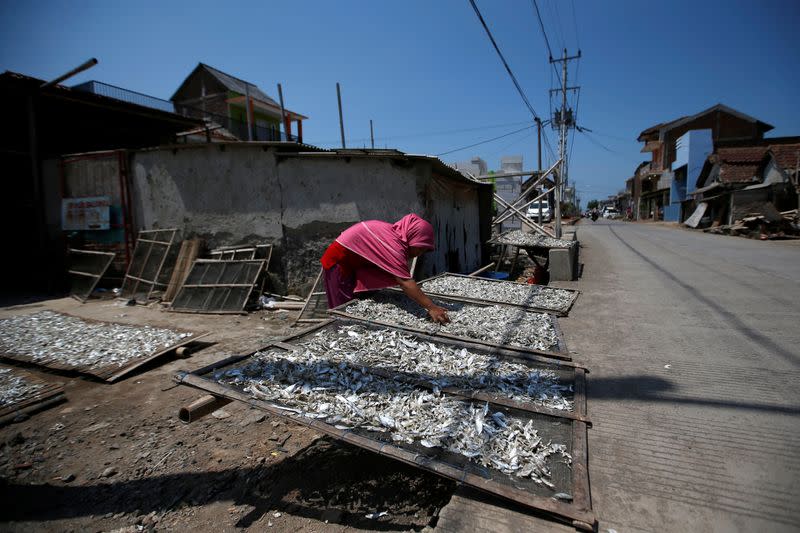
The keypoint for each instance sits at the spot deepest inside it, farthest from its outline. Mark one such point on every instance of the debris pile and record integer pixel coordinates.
(15, 388)
(511, 293)
(765, 225)
(52, 337)
(442, 364)
(524, 239)
(348, 397)
(496, 324)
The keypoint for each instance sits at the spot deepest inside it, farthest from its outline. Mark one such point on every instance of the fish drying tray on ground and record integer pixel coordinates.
(26, 338)
(567, 497)
(525, 240)
(23, 392)
(527, 301)
(404, 313)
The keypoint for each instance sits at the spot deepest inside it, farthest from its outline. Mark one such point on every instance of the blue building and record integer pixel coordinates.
(691, 150)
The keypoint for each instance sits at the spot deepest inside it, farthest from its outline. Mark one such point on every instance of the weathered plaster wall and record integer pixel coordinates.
(244, 193)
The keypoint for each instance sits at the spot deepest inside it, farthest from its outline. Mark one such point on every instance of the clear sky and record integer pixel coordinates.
(426, 74)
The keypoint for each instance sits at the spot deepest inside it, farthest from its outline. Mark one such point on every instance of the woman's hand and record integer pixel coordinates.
(438, 314)
(412, 290)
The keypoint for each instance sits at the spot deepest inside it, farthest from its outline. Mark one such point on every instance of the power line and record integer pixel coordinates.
(512, 143)
(503, 59)
(575, 24)
(541, 25)
(546, 41)
(556, 25)
(586, 132)
(429, 134)
(511, 74)
(483, 142)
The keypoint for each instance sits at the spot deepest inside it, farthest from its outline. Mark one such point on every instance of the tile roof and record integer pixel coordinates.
(739, 164)
(741, 154)
(785, 155)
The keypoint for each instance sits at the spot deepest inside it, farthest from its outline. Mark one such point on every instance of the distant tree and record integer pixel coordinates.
(592, 204)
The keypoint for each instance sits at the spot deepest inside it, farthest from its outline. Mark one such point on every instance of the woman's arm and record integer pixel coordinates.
(412, 290)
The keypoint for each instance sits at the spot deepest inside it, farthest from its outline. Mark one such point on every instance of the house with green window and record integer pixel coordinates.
(239, 106)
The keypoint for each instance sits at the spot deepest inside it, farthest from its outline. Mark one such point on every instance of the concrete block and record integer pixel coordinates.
(564, 264)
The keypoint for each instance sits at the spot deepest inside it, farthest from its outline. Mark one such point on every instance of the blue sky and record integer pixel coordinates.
(426, 74)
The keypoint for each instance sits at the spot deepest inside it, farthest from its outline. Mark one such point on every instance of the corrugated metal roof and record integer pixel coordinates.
(238, 85)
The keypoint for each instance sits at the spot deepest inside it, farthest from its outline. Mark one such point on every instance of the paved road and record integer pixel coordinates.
(693, 342)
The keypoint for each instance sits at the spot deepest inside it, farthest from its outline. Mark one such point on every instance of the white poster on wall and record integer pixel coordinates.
(90, 213)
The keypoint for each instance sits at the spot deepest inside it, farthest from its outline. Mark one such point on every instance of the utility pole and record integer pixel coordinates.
(247, 111)
(371, 135)
(341, 119)
(539, 153)
(539, 141)
(564, 120)
(283, 115)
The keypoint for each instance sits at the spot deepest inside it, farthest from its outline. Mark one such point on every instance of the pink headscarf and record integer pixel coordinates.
(386, 246)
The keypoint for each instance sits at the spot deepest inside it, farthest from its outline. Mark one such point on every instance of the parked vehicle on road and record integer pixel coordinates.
(610, 212)
(533, 211)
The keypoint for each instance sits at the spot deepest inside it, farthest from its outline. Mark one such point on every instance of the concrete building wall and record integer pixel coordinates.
(511, 163)
(245, 193)
(509, 188)
(475, 166)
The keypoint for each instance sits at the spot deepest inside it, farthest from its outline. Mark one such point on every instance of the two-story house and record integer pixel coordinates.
(235, 104)
(661, 197)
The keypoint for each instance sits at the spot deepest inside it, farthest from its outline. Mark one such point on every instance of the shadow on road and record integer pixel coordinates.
(649, 388)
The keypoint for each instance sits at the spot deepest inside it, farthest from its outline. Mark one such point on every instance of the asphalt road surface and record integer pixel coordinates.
(693, 342)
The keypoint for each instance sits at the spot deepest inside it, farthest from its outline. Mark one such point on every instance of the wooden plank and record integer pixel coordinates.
(581, 494)
(189, 251)
(308, 299)
(161, 264)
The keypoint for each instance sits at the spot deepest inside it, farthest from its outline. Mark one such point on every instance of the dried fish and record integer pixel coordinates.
(15, 388)
(496, 324)
(499, 291)
(440, 364)
(48, 336)
(526, 240)
(349, 397)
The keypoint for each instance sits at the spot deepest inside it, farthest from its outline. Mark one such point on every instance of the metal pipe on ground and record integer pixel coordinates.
(201, 407)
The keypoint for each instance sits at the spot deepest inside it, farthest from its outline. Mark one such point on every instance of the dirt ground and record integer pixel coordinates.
(115, 457)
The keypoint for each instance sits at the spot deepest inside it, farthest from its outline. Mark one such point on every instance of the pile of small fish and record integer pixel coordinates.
(497, 291)
(496, 324)
(524, 239)
(15, 388)
(348, 397)
(48, 336)
(441, 365)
